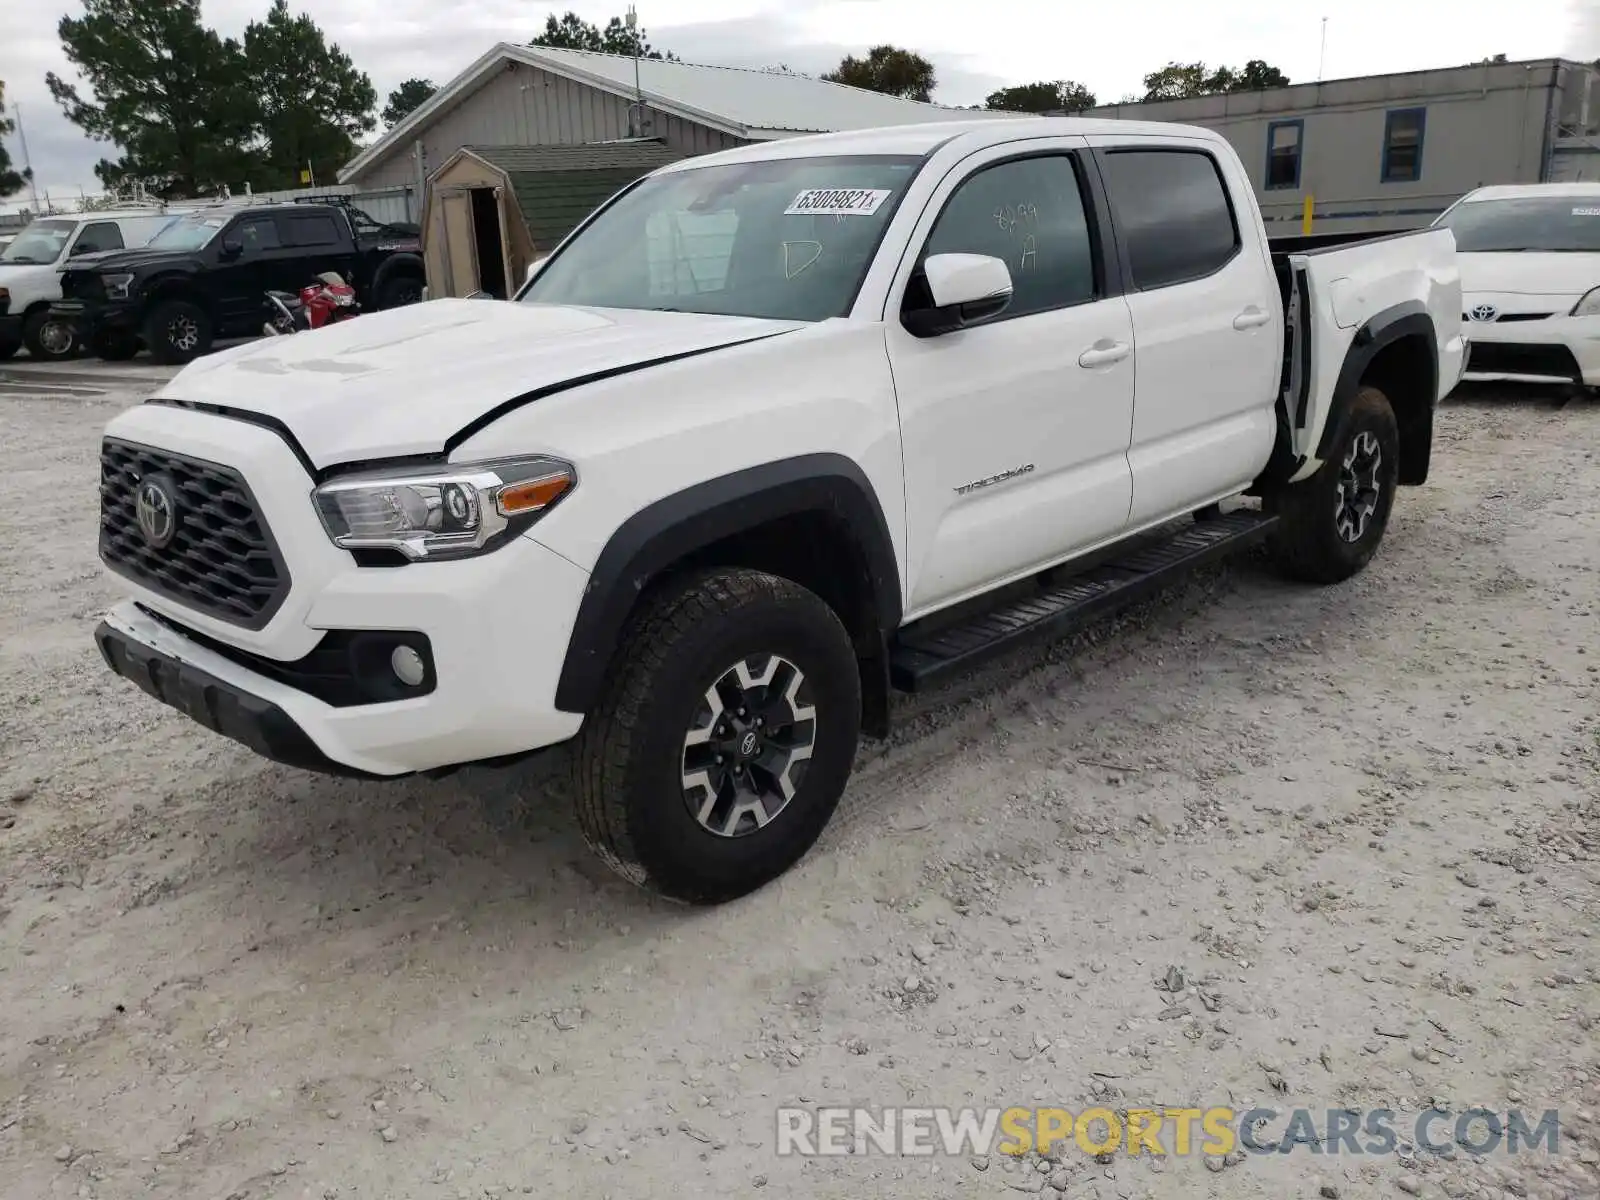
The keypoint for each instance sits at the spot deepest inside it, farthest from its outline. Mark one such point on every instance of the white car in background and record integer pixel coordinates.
(1529, 256)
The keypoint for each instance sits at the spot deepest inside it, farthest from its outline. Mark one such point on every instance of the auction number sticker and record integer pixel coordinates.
(837, 202)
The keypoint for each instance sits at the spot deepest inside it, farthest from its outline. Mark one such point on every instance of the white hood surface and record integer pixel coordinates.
(1529, 273)
(403, 381)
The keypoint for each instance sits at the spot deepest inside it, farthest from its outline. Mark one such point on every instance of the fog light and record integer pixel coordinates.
(408, 666)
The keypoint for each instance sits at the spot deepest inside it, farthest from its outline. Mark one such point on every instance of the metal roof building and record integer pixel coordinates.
(536, 96)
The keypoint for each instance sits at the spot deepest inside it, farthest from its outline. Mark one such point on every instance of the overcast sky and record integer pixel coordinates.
(976, 45)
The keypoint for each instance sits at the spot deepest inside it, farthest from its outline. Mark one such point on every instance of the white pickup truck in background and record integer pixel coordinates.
(774, 432)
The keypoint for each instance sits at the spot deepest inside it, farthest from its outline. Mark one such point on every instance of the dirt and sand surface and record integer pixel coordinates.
(1251, 845)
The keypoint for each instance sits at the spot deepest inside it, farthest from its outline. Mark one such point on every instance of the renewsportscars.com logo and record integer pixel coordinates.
(958, 1132)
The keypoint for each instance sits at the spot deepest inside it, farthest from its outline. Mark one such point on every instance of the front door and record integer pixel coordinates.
(240, 280)
(1015, 431)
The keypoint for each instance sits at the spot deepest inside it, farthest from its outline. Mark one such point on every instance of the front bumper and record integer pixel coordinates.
(89, 317)
(1555, 349)
(497, 627)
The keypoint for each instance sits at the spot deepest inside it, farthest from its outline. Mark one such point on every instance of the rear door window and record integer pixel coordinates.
(1172, 214)
(318, 229)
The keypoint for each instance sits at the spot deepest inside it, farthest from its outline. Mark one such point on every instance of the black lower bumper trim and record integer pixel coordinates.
(220, 707)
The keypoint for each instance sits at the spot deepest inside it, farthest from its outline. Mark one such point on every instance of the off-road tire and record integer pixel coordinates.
(115, 345)
(629, 757)
(1307, 543)
(400, 290)
(33, 326)
(165, 346)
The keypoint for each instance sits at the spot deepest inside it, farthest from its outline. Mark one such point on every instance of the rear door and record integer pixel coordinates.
(1015, 431)
(1207, 320)
(319, 245)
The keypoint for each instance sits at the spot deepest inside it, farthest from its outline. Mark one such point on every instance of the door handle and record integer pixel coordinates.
(1251, 318)
(1103, 353)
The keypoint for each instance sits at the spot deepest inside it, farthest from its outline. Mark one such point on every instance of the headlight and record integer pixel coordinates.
(1589, 306)
(117, 286)
(444, 513)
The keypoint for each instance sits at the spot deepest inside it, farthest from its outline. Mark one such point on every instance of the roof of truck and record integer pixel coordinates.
(927, 137)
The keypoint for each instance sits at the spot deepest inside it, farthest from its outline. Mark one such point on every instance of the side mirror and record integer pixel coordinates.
(232, 247)
(966, 289)
(533, 268)
(77, 249)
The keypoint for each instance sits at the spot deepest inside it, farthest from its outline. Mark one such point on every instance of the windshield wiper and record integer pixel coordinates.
(23, 258)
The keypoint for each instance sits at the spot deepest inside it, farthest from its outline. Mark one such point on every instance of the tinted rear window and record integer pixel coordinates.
(313, 231)
(1172, 214)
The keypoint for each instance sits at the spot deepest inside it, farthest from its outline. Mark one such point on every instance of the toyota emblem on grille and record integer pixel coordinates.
(1484, 312)
(156, 510)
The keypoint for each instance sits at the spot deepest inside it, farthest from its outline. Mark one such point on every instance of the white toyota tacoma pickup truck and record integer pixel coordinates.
(774, 432)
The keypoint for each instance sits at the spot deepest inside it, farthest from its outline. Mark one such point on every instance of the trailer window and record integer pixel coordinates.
(1402, 145)
(1283, 153)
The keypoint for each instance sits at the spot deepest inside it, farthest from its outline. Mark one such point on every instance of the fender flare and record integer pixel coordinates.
(1380, 330)
(663, 533)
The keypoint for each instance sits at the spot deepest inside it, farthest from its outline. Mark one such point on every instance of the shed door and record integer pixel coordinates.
(460, 251)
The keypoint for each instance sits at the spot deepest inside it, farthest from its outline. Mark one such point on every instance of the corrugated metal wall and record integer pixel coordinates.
(381, 204)
(524, 106)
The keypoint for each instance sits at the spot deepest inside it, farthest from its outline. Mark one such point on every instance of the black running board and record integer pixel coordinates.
(918, 659)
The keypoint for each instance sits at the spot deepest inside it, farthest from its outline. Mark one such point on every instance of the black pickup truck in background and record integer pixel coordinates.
(206, 275)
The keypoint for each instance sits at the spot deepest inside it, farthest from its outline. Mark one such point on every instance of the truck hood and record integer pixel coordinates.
(128, 260)
(1529, 273)
(405, 380)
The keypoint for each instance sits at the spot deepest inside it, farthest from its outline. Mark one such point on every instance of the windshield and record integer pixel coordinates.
(1534, 223)
(788, 239)
(188, 233)
(40, 242)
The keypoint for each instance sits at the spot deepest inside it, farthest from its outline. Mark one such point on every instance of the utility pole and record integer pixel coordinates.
(636, 118)
(27, 166)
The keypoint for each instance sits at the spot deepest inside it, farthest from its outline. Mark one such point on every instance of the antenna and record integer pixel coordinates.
(1322, 52)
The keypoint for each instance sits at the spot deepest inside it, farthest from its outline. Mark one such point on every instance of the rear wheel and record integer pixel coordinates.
(400, 290)
(1331, 524)
(725, 739)
(177, 331)
(49, 339)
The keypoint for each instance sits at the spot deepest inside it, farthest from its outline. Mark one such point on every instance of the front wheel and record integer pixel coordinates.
(177, 332)
(115, 345)
(1331, 523)
(725, 738)
(49, 339)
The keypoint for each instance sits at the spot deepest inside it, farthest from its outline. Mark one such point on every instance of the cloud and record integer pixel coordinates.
(975, 48)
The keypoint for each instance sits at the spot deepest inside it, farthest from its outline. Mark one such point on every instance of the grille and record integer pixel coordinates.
(221, 559)
(82, 285)
(1505, 358)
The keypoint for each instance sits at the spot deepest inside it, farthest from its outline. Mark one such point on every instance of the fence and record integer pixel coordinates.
(384, 204)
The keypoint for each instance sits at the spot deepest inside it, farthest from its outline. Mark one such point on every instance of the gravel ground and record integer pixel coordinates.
(1251, 844)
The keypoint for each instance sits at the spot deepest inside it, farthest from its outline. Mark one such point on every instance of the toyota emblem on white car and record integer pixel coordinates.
(1484, 312)
(156, 512)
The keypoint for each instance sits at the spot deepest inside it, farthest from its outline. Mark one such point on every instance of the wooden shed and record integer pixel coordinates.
(492, 210)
